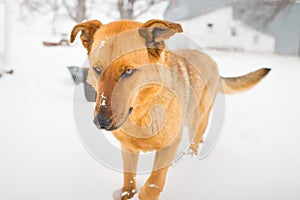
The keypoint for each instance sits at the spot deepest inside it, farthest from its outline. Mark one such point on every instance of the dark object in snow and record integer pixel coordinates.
(62, 42)
(6, 72)
(210, 25)
(79, 75)
(10, 71)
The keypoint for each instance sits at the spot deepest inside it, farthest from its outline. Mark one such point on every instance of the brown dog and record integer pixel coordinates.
(147, 93)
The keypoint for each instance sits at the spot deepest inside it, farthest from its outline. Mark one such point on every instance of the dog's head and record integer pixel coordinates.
(122, 57)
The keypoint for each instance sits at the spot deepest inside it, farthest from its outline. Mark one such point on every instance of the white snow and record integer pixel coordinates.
(103, 96)
(102, 43)
(125, 193)
(103, 102)
(2, 32)
(118, 194)
(258, 156)
(152, 185)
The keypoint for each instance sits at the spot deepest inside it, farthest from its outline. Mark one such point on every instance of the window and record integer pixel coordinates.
(256, 39)
(233, 31)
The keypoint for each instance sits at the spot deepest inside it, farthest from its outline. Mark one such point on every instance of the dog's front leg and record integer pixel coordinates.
(155, 183)
(130, 160)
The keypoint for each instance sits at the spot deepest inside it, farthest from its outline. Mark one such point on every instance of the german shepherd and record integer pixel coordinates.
(146, 93)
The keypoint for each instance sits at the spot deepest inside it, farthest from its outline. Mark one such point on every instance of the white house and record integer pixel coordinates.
(218, 29)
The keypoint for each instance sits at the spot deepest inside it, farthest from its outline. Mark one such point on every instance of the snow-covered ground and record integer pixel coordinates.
(41, 157)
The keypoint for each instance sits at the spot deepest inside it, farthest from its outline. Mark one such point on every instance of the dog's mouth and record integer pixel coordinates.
(114, 127)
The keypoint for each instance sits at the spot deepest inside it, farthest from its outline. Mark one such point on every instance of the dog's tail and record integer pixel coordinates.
(242, 83)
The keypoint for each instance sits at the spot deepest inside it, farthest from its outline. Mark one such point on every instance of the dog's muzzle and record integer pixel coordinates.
(103, 122)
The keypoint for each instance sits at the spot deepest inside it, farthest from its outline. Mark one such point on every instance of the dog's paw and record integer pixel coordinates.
(195, 150)
(120, 195)
(150, 192)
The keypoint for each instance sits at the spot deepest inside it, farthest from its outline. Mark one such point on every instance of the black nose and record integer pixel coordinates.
(102, 122)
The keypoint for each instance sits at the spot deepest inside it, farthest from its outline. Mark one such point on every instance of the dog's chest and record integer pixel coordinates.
(152, 126)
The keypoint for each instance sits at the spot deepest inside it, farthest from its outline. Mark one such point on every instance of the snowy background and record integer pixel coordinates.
(41, 157)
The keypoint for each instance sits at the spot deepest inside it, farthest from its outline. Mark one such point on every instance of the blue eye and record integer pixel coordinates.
(97, 70)
(128, 72)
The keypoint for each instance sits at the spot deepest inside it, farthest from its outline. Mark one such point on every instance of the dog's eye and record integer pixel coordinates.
(97, 70)
(128, 72)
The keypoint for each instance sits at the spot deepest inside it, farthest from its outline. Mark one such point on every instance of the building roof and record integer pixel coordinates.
(185, 9)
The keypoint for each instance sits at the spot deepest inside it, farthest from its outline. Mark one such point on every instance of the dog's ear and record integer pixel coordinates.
(88, 30)
(155, 32)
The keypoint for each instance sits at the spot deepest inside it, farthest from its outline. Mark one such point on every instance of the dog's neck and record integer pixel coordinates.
(163, 56)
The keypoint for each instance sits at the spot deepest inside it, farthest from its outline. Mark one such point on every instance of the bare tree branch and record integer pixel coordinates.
(70, 10)
(128, 9)
(78, 11)
(125, 8)
(142, 11)
(41, 7)
(263, 11)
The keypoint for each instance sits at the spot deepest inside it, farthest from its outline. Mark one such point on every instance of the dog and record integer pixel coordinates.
(147, 93)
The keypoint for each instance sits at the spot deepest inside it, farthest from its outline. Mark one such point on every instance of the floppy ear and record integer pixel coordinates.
(156, 31)
(88, 30)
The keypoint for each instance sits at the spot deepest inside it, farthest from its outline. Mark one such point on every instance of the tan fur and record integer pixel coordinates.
(242, 83)
(188, 84)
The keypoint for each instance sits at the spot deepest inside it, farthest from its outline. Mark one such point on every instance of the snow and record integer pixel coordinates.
(125, 193)
(257, 157)
(117, 194)
(103, 96)
(2, 15)
(103, 102)
(101, 44)
(152, 185)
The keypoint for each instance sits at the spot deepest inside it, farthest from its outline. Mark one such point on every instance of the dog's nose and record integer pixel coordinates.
(102, 122)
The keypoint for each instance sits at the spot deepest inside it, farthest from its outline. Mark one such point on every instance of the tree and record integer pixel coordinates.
(264, 11)
(78, 10)
(131, 9)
